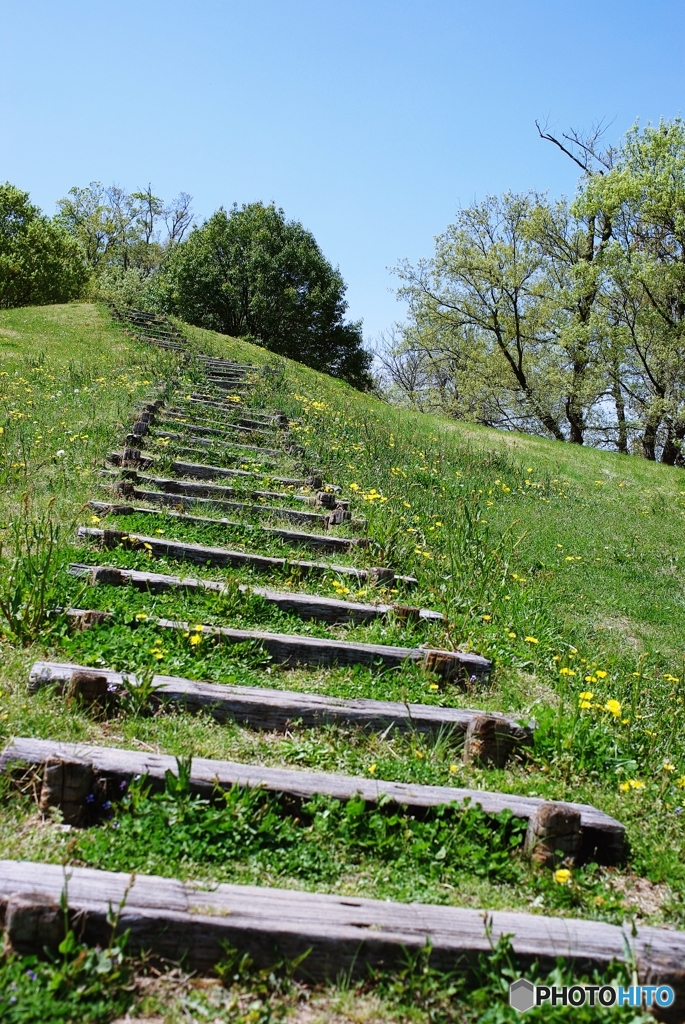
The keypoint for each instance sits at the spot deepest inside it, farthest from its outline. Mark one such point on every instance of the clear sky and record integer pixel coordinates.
(371, 121)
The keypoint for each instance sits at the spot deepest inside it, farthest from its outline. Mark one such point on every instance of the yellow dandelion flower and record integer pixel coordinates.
(586, 695)
(566, 672)
(512, 636)
(141, 615)
(95, 519)
(454, 768)
(613, 707)
(562, 876)
(531, 640)
(668, 767)
(600, 673)
(680, 783)
(433, 686)
(486, 618)
(372, 768)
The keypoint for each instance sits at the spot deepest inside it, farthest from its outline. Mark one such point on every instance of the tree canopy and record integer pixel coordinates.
(251, 271)
(566, 319)
(39, 262)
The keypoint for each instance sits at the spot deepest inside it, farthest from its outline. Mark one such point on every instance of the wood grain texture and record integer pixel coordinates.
(603, 836)
(206, 472)
(185, 921)
(264, 708)
(202, 555)
(291, 649)
(256, 449)
(319, 542)
(192, 488)
(309, 606)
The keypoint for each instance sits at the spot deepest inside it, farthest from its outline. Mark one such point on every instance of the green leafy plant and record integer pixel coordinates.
(30, 590)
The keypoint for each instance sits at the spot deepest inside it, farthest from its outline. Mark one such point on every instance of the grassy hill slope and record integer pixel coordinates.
(563, 565)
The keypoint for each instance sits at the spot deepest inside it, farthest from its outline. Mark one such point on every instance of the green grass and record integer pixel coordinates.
(562, 564)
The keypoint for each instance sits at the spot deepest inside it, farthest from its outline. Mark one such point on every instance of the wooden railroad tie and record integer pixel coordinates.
(224, 430)
(602, 837)
(274, 417)
(319, 542)
(136, 459)
(180, 502)
(265, 708)
(233, 417)
(192, 488)
(308, 606)
(210, 442)
(293, 649)
(328, 935)
(203, 555)
(205, 472)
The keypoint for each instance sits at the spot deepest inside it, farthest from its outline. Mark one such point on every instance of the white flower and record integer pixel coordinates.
(60, 453)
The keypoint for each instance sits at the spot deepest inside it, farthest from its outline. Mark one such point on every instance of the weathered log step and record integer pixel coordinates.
(602, 836)
(170, 485)
(226, 383)
(263, 708)
(206, 472)
(329, 935)
(308, 606)
(203, 555)
(202, 417)
(291, 649)
(215, 406)
(257, 449)
(238, 396)
(320, 542)
(225, 430)
(324, 520)
(179, 501)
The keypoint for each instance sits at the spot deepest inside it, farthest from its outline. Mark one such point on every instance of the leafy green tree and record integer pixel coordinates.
(123, 235)
(251, 271)
(484, 306)
(39, 262)
(644, 198)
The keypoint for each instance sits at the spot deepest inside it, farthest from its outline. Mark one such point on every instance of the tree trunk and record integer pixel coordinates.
(622, 439)
(649, 437)
(672, 452)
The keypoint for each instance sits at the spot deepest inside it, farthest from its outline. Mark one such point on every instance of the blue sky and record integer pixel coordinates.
(371, 122)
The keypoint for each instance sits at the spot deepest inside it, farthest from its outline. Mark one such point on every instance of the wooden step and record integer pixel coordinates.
(190, 488)
(203, 555)
(224, 431)
(308, 606)
(603, 838)
(323, 520)
(206, 472)
(331, 936)
(292, 649)
(263, 708)
(316, 541)
(256, 449)
(275, 417)
(236, 416)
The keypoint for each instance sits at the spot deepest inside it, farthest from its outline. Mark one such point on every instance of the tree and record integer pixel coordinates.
(250, 271)
(39, 262)
(643, 196)
(485, 304)
(123, 235)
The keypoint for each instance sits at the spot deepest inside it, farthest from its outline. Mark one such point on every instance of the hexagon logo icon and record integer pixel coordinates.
(522, 995)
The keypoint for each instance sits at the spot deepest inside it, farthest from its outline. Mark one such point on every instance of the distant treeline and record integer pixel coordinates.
(565, 319)
(247, 272)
